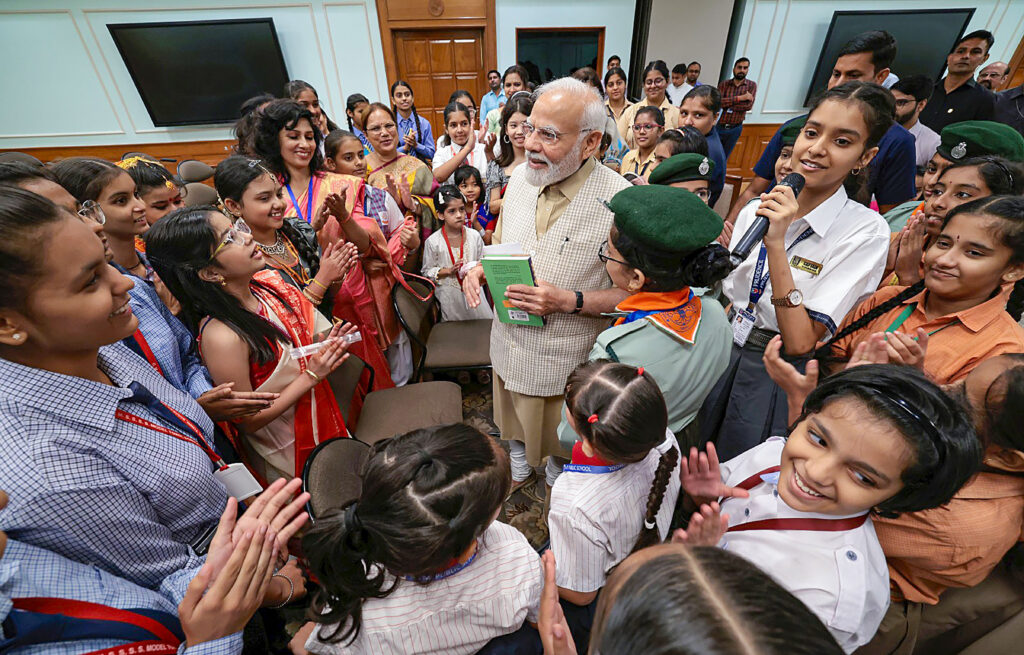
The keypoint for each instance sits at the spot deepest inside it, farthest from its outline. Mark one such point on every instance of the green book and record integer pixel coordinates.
(505, 265)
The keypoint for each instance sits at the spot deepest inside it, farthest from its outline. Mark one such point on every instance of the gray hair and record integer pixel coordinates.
(593, 117)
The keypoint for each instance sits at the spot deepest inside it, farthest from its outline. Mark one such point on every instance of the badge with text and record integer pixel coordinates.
(742, 324)
(805, 265)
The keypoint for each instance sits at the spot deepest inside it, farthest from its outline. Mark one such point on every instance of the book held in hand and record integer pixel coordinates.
(506, 264)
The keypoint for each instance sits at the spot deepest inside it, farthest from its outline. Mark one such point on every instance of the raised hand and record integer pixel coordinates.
(792, 381)
(551, 623)
(912, 240)
(872, 350)
(779, 206)
(706, 527)
(905, 349)
(211, 611)
(335, 204)
(701, 478)
(336, 261)
(223, 403)
(277, 507)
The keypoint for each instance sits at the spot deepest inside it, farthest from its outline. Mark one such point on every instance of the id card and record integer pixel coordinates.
(742, 324)
(238, 481)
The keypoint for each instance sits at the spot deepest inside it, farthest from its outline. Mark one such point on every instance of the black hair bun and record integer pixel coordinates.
(707, 265)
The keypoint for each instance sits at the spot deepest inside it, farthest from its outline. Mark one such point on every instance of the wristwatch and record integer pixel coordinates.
(579, 302)
(791, 299)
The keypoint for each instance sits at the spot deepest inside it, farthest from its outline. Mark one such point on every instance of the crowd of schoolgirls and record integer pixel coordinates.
(816, 451)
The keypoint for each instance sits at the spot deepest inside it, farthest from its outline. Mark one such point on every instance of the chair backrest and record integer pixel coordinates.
(724, 201)
(19, 158)
(332, 475)
(193, 170)
(416, 316)
(136, 153)
(345, 379)
(197, 193)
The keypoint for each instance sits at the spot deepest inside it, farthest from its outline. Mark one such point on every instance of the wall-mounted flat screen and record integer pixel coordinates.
(200, 72)
(923, 39)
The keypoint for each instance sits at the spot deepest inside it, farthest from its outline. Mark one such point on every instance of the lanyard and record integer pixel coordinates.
(905, 314)
(138, 343)
(591, 468)
(176, 419)
(760, 281)
(816, 525)
(447, 573)
(462, 247)
(309, 201)
(80, 614)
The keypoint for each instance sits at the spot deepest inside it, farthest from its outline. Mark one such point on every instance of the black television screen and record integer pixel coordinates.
(923, 39)
(200, 72)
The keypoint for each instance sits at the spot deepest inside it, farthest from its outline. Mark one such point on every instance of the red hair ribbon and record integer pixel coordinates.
(592, 419)
(640, 371)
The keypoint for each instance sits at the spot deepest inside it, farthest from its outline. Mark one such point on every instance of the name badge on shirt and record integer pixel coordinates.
(742, 324)
(806, 265)
(238, 481)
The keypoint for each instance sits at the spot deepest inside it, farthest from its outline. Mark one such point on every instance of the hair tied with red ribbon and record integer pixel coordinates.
(592, 419)
(640, 371)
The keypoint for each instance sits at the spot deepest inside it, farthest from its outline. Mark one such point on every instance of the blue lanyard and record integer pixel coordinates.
(589, 468)
(309, 201)
(761, 281)
(447, 573)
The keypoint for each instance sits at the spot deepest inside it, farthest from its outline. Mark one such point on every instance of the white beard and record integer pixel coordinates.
(555, 172)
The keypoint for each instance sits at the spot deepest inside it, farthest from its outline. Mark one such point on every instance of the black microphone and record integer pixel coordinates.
(759, 227)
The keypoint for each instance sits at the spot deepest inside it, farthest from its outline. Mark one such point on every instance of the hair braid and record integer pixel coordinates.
(825, 351)
(1015, 304)
(416, 120)
(666, 465)
(302, 245)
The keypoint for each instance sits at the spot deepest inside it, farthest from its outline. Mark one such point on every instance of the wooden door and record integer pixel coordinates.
(436, 62)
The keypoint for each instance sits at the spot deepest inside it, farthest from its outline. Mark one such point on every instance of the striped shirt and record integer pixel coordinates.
(595, 518)
(30, 572)
(97, 489)
(491, 597)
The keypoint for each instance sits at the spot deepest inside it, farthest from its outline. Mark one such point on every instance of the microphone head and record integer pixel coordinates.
(794, 181)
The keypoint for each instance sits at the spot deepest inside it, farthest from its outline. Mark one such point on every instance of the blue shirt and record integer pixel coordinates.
(425, 145)
(891, 176)
(362, 139)
(488, 102)
(171, 342)
(97, 489)
(27, 571)
(717, 154)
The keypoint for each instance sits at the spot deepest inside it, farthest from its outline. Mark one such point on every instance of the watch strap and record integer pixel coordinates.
(579, 302)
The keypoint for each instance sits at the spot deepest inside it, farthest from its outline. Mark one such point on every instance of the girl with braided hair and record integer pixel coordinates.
(618, 493)
(966, 308)
(413, 129)
(417, 563)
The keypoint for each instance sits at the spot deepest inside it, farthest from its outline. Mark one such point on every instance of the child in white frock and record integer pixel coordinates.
(446, 251)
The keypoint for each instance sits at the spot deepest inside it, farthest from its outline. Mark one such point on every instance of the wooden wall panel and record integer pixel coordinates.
(435, 9)
(749, 148)
(211, 152)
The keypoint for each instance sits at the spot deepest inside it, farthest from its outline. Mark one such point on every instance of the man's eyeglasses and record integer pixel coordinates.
(91, 210)
(235, 234)
(602, 254)
(548, 135)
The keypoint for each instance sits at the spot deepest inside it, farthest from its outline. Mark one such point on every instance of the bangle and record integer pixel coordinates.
(313, 375)
(312, 297)
(291, 585)
(319, 284)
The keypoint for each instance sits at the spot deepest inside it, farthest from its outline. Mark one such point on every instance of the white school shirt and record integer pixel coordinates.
(850, 242)
(492, 596)
(926, 141)
(477, 158)
(841, 576)
(595, 518)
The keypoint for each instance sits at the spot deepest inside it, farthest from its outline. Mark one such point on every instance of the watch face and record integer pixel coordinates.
(795, 297)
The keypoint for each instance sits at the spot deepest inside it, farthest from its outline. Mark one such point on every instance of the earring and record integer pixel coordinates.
(17, 336)
(504, 137)
(223, 282)
(856, 171)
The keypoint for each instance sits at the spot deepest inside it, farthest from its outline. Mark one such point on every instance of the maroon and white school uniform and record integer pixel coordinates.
(834, 564)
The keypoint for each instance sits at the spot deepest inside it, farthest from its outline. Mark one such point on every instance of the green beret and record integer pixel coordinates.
(977, 138)
(682, 168)
(791, 130)
(665, 218)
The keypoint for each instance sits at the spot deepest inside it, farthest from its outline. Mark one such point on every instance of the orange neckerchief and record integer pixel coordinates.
(675, 312)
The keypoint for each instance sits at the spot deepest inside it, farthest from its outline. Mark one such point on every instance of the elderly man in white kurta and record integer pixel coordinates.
(553, 208)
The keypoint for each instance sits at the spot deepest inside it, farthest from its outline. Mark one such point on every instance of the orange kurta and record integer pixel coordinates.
(958, 544)
(966, 338)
